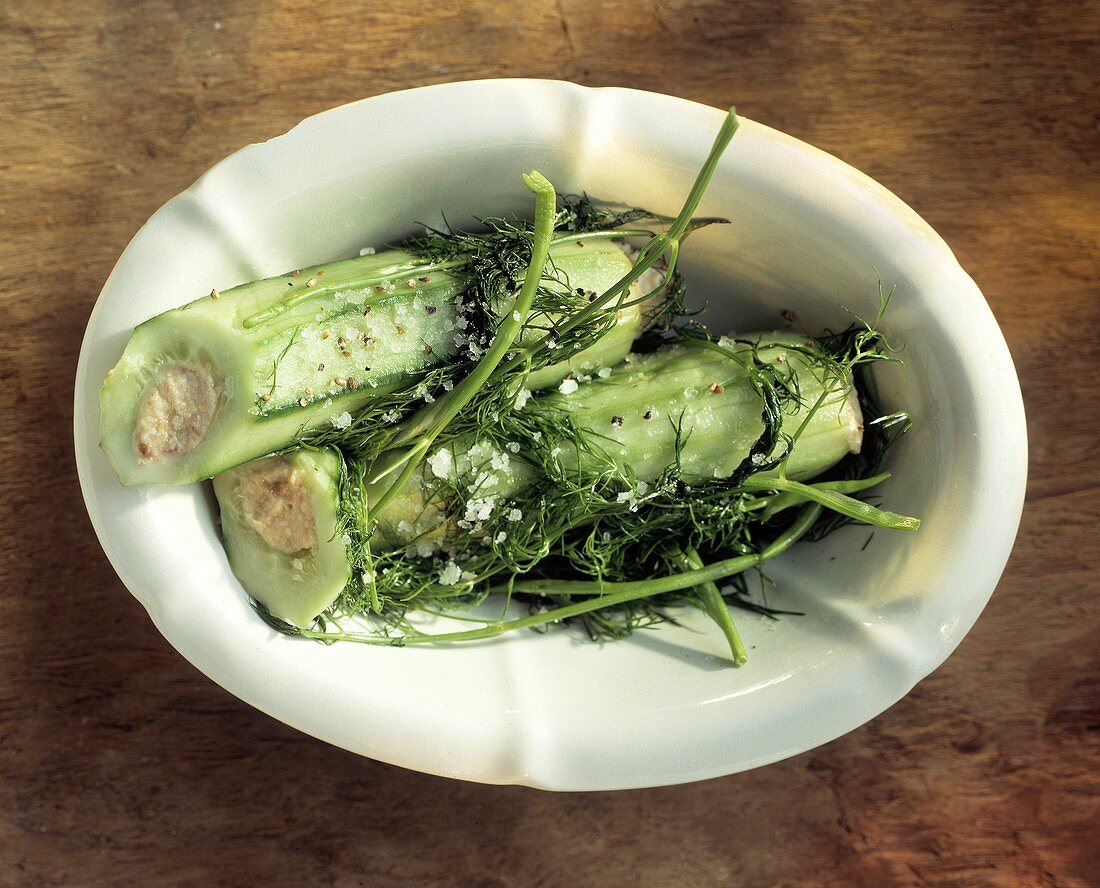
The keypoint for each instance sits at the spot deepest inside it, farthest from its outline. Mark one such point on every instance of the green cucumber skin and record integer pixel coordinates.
(293, 587)
(672, 385)
(243, 333)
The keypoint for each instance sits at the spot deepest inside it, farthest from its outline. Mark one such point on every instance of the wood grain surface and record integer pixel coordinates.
(121, 765)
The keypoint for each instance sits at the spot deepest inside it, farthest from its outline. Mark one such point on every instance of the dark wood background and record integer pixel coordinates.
(121, 765)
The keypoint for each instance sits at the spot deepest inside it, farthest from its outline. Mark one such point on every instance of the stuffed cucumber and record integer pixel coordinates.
(242, 373)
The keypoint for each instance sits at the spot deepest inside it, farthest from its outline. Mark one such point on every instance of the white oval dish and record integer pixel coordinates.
(808, 233)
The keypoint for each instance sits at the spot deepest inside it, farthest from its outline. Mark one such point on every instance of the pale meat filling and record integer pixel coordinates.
(276, 504)
(176, 413)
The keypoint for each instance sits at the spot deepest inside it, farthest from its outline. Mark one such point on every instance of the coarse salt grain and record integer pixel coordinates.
(441, 463)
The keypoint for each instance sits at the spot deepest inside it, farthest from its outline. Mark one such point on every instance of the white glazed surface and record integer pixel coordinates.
(553, 711)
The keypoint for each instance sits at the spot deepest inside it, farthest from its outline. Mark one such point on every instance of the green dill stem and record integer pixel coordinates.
(651, 252)
(381, 276)
(612, 233)
(620, 593)
(633, 589)
(716, 608)
(834, 500)
(430, 421)
(773, 505)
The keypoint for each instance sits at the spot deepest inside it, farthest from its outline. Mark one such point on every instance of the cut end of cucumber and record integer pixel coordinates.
(278, 515)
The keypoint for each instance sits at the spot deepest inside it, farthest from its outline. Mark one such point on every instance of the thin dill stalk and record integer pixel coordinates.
(716, 608)
(612, 233)
(382, 276)
(834, 500)
(621, 593)
(773, 505)
(719, 570)
(431, 420)
(668, 240)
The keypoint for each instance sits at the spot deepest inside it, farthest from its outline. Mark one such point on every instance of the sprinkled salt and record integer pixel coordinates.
(450, 574)
(441, 463)
(341, 420)
(426, 548)
(568, 386)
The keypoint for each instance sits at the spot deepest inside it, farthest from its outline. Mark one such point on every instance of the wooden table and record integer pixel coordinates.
(121, 765)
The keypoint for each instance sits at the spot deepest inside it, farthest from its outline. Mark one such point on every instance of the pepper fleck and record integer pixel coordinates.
(617, 421)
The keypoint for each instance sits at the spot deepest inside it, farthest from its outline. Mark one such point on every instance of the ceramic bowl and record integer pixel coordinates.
(808, 234)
